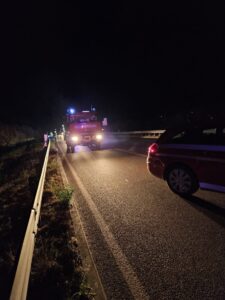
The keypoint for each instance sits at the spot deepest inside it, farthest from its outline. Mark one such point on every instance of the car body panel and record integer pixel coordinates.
(206, 161)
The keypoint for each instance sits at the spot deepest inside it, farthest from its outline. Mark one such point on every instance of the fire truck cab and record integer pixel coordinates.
(83, 128)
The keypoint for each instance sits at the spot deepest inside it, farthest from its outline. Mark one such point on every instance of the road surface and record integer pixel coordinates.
(147, 242)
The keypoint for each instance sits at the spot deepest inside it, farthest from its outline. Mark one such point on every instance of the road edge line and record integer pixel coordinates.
(92, 269)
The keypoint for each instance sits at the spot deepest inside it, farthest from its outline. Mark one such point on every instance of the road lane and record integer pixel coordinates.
(174, 246)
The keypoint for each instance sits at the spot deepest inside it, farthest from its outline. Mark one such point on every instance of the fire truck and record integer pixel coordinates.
(83, 128)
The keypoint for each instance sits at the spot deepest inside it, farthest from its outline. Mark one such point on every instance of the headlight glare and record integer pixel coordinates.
(75, 138)
(99, 137)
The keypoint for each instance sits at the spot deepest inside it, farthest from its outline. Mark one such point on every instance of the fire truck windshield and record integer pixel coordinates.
(86, 119)
(83, 118)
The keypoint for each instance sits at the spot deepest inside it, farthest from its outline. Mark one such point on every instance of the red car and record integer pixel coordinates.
(189, 159)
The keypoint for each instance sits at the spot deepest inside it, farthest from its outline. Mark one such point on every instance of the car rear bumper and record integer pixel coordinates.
(155, 167)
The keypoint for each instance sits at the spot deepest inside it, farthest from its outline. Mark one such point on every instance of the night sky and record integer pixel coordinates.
(133, 61)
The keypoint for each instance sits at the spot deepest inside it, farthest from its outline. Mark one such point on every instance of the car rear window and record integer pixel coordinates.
(206, 136)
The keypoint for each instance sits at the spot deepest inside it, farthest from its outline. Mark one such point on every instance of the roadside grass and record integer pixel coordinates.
(63, 194)
(19, 172)
(57, 271)
(14, 153)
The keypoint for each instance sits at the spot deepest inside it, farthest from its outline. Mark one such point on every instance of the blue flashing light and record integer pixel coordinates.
(71, 111)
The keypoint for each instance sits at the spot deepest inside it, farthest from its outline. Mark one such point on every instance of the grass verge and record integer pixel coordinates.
(19, 174)
(57, 271)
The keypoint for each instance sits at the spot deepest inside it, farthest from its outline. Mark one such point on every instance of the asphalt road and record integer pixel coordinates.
(147, 242)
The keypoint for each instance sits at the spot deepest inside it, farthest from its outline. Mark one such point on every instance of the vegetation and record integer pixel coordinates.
(19, 173)
(57, 271)
(13, 134)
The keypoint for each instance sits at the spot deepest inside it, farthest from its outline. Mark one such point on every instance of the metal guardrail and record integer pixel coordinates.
(21, 279)
(141, 134)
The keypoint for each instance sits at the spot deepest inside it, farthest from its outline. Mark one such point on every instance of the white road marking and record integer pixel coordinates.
(129, 274)
(100, 293)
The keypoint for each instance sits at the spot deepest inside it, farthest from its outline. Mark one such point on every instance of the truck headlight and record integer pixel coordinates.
(75, 138)
(99, 137)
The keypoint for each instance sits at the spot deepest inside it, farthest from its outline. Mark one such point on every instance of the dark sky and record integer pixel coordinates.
(132, 61)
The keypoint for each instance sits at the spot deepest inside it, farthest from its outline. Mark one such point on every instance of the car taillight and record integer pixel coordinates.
(153, 148)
